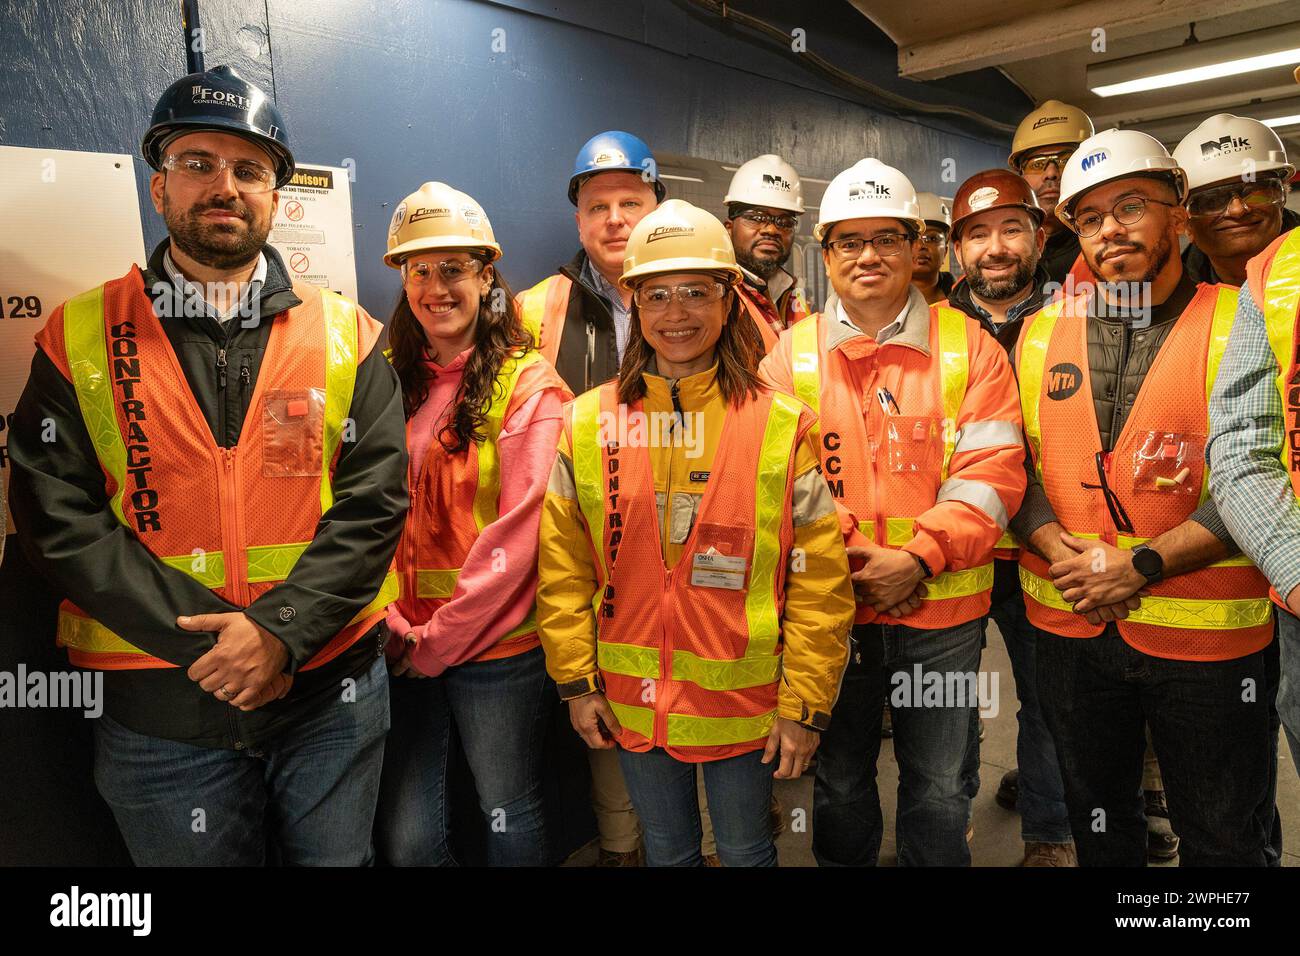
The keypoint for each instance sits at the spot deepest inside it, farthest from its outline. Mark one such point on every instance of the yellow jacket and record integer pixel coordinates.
(819, 604)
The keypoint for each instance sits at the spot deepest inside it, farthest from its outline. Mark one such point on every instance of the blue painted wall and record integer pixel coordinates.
(413, 90)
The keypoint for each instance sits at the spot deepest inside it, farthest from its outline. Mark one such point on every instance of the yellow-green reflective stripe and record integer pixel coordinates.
(87, 634)
(640, 720)
(1160, 611)
(769, 510)
(587, 475)
(1008, 540)
(436, 582)
(1281, 300)
(1225, 310)
(273, 562)
(954, 370)
(725, 675)
(534, 308)
(1033, 363)
(630, 660)
(955, 584)
(488, 491)
(689, 731)
(1129, 542)
(804, 360)
(899, 530)
(528, 626)
(87, 347)
(340, 380)
(388, 593)
(206, 567)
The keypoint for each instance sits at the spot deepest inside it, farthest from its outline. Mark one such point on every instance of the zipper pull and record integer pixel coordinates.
(678, 413)
(245, 374)
(221, 369)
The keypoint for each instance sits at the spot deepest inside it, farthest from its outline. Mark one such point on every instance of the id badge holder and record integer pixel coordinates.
(1169, 463)
(721, 557)
(293, 432)
(912, 443)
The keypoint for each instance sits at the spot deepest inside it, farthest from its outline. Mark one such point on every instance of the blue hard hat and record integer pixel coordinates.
(614, 151)
(221, 100)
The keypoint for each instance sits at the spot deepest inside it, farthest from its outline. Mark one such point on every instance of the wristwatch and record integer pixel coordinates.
(1149, 564)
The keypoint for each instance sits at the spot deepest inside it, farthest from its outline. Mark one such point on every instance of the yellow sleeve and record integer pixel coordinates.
(566, 583)
(819, 605)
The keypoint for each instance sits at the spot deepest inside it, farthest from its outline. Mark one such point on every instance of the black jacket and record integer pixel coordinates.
(1008, 332)
(1198, 265)
(588, 353)
(72, 537)
(1059, 253)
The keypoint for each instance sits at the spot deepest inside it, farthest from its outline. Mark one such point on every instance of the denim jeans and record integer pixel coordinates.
(931, 744)
(1041, 798)
(497, 709)
(1210, 735)
(308, 799)
(739, 794)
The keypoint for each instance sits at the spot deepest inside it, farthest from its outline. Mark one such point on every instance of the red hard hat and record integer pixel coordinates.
(993, 189)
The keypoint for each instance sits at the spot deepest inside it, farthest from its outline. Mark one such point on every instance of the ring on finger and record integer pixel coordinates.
(224, 694)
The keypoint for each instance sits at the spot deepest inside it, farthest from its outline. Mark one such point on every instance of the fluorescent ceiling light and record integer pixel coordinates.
(685, 179)
(1282, 121)
(1197, 62)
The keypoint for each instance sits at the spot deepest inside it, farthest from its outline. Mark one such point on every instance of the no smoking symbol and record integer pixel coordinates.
(299, 262)
(294, 211)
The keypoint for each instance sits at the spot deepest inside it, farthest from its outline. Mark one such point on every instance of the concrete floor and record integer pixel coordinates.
(996, 841)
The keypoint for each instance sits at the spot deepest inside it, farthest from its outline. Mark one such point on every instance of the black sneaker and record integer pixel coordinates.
(1008, 790)
(1162, 841)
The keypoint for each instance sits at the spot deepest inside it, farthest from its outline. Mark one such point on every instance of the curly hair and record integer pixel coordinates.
(738, 351)
(499, 334)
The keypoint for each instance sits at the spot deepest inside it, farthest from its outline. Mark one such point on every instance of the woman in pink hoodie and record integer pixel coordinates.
(483, 414)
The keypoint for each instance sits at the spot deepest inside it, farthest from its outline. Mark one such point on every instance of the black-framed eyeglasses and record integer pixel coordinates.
(886, 244)
(1126, 212)
(785, 223)
(1213, 203)
(201, 167)
(1123, 524)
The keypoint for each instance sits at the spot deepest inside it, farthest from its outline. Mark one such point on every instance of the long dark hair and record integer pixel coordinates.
(738, 351)
(500, 333)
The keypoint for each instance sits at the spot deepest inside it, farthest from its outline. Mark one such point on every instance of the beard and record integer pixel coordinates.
(216, 245)
(996, 290)
(1157, 259)
(763, 266)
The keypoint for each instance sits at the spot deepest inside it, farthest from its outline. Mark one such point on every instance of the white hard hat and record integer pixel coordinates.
(1115, 154)
(935, 210)
(766, 180)
(868, 189)
(1230, 147)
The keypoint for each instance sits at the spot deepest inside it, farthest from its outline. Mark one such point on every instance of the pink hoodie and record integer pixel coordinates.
(487, 603)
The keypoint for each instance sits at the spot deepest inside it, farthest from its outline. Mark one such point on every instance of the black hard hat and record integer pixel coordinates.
(221, 100)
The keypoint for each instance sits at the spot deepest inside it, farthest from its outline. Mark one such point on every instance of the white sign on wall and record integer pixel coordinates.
(313, 229)
(71, 221)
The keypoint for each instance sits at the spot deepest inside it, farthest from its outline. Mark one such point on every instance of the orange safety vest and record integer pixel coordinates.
(691, 657)
(895, 476)
(1157, 469)
(543, 309)
(234, 519)
(1273, 278)
(456, 496)
(762, 311)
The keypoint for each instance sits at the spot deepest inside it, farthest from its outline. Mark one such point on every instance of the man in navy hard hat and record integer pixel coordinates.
(579, 315)
(220, 506)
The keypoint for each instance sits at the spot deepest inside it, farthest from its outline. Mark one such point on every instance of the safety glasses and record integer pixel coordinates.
(1123, 524)
(1214, 203)
(204, 168)
(1039, 164)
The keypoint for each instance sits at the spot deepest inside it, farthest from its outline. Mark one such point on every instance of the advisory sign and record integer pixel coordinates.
(71, 221)
(313, 229)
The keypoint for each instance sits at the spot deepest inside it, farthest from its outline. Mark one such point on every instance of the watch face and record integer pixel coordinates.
(1147, 562)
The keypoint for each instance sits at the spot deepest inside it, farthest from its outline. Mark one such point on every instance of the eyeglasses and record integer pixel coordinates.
(935, 239)
(886, 244)
(1126, 212)
(451, 270)
(657, 298)
(1214, 203)
(1038, 164)
(756, 218)
(1123, 524)
(250, 177)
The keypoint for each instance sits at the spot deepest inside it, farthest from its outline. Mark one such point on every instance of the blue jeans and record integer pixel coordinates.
(739, 795)
(1041, 800)
(931, 744)
(498, 711)
(308, 798)
(1211, 738)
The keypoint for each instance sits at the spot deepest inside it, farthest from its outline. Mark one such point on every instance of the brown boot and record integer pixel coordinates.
(712, 860)
(630, 858)
(1050, 854)
(1162, 841)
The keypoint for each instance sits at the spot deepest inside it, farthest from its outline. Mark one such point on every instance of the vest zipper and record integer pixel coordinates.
(882, 537)
(221, 397)
(232, 520)
(666, 603)
(591, 355)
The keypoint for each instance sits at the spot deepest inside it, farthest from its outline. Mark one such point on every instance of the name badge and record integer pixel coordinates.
(710, 569)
